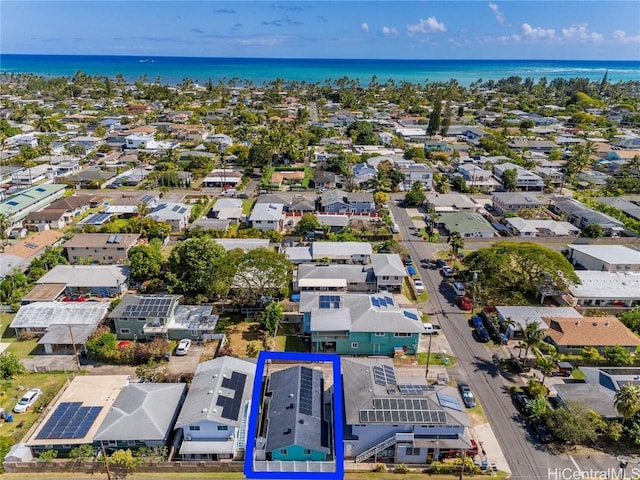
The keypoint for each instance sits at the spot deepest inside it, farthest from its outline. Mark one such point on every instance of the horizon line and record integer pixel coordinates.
(327, 58)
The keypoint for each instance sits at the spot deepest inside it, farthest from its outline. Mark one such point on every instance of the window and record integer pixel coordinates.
(354, 344)
(194, 428)
(402, 334)
(412, 452)
(379, 334)
(125, 331)
(283, 451)
(307, 451)
(222, 427)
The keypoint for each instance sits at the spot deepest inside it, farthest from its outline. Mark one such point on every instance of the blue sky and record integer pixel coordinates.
(553, 29)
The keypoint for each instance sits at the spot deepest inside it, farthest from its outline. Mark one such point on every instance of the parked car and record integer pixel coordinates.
(540, 430)
(467, 395)
(565, 369)
(431, 329)
(27, 401)
(465, 303)
(521, 401)
(408, 260)
(395, 228)
(448, 272)
(458, 289)
(440, 263)
(183, 347)
(480, 331)
(419, 286)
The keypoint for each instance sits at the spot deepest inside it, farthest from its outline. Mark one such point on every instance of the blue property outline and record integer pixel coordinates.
(256, 400)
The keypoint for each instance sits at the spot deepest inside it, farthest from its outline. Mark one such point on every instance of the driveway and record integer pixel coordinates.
(186, 363)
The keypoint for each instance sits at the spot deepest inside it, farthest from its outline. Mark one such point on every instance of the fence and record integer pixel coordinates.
(91, 468)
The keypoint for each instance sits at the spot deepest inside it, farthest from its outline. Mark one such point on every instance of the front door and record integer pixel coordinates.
(376, 348)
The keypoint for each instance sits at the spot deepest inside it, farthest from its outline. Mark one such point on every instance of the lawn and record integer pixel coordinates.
(11, 391)
(435, 359)
(288, 340)
(407, 291)
(247, 205)
(20, 348)
(240, 333)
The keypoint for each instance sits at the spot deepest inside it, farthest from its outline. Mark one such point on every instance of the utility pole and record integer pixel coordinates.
(463, 456)
(473, 289)
(106, 461)
(75, 349)
(426, 375)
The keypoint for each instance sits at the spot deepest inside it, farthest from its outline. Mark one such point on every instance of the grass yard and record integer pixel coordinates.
(435, 359)
(20, 348)
(287, 340)
(247, 205)
(240, 333)
(11, 391)
(407, 291)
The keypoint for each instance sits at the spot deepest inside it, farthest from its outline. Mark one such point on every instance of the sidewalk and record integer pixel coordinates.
(489, 444)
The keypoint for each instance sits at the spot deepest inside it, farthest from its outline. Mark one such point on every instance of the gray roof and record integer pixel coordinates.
(287, 424)
(346, 250)
(351, 273)
(598, 285)
(457, 200)
(62, 334)
(142, 411)
(626, 206)
(111, 276)
(170, 211)
(516, 198)
(210, 224)
(357, 313)
(571, 207)
(298, 254)
(272, 198)
(333, 220)
(44, 314)
(226, 203)
(267, 211)
(387, 265)
(361, 389)
(522, 315)
(611, 254)
(597, 397)
(194, 318)
(333, 196)
(201, 402)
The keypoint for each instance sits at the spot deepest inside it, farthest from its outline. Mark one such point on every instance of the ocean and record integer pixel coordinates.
(173, 70)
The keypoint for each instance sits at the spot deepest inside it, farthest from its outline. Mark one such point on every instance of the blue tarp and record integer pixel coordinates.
(295, 297)
(411, 270)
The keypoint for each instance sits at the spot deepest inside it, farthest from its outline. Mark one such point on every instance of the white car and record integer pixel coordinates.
(27, 400)
(183, 347)
(458, 289)
(419, 286)
(448, 272)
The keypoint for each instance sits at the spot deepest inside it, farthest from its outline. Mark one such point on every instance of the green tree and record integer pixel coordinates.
(460, 184)
(381, 198)
(591, 354)
(456, 243)
(198, 266)
(10, 366)
(48, 456)
(546, 365)
(434, 117)
(592, 230)
(573, 424)
(536, 389)
(442, 183)
(271, 317)
(539, 407)
(415, 197)
(618, 355)
(252, 349)
(122, 462)
(414, 153)
(308, 223)
(627, 401)
(82, 453)
(510, 180)
(145, 261)
(362, 133)
(261, 275)
(533, 336)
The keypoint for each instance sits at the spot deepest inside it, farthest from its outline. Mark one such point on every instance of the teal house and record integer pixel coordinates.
(297, 429)
(359, 324)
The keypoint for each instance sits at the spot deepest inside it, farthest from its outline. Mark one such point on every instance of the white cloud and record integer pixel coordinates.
(536, 33)
(581, 33)
(364, 27)
(389, 30)
(430, 25)
(621, 36)
(496, 11)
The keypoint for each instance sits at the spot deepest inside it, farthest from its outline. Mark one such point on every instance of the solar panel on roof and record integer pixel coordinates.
(231, 405)
(449, 402)
(69, 420)
(375, 302)
(412, 389)
(306, 391)
(410, 315)
(389, 300)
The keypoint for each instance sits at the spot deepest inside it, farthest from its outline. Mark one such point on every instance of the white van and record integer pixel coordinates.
(395, 228)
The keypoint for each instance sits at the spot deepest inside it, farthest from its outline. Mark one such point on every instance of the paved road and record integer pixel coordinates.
(526, 458)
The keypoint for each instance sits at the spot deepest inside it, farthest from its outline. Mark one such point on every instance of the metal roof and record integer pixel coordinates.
(44, 314)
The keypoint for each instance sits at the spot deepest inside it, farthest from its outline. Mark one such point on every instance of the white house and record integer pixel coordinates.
(267, 216)
(417, 172)
(138, 140)
(175, 214)
(605, 258)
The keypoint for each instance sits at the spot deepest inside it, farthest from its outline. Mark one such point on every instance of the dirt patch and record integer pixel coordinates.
(240, 334)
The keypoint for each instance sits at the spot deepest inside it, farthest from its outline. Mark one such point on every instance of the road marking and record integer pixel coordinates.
(575, 463)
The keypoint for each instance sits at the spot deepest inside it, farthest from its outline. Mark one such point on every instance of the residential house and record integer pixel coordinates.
(333, 222)
(598, 389)
(18, 257)
(60, 326)
(23, 202)
(267, 216)
(525, 180)
(606, 258)
(611, 290)
(222, 177)
(297, 428)
(476, 176)
(628, 208)
(102, 248)
(33, 175)
(364, 175)
(300, 204)
(281, 178)
(513, 202)
(335, 252)
(90, 177)
(138, 140)
(175, 214)
(359, 324)
(206, 224)
(555, 175)
(544, 146)
(142, 416)
(223, 141)
(214, 419)
(388, 271)
(570, 335)
(8, 171)
(189, 133)
(90, 280)
(135, 176)
(73, 418)
(338, 201)
(450, 202)
(522, 227)
(516, 318)
(88, 143)
(466, 224)
(417, 172)
(227, 209)
(324, 180)
(146, 317)
(580, 215)
(60, 213)
(395, 419)
(334, 277)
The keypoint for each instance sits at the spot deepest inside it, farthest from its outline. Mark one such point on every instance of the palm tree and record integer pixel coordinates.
(633, 165)
(546, 364)
(627, 401)
(532, 336)
(456, 242)
(5, 223)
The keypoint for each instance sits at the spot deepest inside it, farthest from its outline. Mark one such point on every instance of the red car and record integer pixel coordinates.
(465, 303)
(74, 299)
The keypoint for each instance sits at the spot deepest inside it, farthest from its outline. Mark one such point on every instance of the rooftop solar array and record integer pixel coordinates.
(306, 391)
(179, 209)
(403, 416)
(69, 420)
(114, 239)
(414, 389)
(231, 405)
(329, 301)
(97, 219)
(149, 307)
(384, 375)
(382, 301)
(449, 402)
(410, 315)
